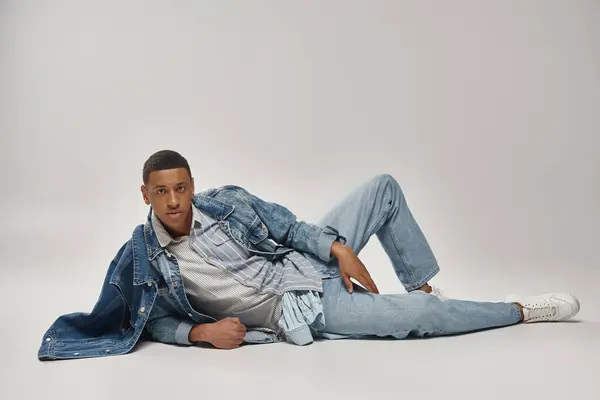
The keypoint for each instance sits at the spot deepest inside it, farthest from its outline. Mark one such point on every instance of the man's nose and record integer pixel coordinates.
(173, 201)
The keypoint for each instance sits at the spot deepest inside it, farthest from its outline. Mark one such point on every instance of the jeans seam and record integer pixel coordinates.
(371, 230)
(396, 244)
(401, 253)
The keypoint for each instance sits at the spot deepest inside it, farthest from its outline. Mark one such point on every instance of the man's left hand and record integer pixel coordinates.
(352, 267)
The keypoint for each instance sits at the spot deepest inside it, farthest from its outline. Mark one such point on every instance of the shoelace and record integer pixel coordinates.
(541, 312)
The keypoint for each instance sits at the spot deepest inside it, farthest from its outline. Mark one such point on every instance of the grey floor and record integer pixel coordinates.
(541, 361)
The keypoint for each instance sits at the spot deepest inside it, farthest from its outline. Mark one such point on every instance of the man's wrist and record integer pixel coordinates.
(199, 333)
(338, 249)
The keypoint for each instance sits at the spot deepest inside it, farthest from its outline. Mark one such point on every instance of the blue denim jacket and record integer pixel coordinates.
(135, 289)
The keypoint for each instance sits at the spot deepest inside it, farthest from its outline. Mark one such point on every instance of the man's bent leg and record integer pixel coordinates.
(379, 207)
(415, 314)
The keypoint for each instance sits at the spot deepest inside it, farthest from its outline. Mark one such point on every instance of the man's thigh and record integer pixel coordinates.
(366, 314)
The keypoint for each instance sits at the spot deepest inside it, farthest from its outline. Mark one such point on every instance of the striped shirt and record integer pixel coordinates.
(220, 276)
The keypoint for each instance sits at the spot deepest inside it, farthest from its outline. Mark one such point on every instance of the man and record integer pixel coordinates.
(224, 267)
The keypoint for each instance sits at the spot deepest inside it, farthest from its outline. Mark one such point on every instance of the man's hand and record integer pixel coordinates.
(227, 333)
(352, 267)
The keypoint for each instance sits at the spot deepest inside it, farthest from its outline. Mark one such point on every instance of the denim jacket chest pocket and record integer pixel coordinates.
(248, 231)
(257, 231)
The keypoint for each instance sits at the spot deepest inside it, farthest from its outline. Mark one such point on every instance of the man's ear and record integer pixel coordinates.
(193, 187)
(145, 195)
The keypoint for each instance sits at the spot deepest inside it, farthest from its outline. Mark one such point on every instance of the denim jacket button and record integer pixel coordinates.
(149, 283)
(48, 339)
(190, 315)
(142, 309)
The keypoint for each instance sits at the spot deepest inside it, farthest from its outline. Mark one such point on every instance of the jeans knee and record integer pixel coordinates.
(385, 179)
(389, 184)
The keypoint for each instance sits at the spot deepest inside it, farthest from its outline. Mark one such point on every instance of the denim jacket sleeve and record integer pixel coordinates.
(169, 329)
(166, 327)
(285, 229)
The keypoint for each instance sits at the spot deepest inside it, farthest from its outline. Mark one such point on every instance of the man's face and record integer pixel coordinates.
(170, 193)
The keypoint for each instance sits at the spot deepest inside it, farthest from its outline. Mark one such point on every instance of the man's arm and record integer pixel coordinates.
(285, 229)
(227, 333)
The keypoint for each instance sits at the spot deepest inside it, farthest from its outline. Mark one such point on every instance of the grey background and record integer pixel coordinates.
(486, 112)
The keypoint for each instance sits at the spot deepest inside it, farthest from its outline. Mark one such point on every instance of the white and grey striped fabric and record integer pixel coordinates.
(219, 274)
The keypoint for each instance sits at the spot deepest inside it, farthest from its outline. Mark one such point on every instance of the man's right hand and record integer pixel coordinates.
(227, 333)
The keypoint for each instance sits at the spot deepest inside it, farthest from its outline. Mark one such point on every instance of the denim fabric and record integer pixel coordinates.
(415, 314)
(379, 207)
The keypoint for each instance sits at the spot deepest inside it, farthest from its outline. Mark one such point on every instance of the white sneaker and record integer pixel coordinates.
(437, 292)
(547, 307)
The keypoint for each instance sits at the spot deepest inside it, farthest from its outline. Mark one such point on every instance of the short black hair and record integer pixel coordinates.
(164, 159)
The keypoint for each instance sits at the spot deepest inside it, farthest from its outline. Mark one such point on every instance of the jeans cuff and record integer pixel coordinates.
(516, 312)
(420, 283)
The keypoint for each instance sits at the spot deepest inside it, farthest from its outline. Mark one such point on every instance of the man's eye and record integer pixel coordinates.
(181, 188)
(160, 191)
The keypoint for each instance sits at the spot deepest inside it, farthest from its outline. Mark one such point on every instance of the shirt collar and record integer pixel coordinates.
(164, 237)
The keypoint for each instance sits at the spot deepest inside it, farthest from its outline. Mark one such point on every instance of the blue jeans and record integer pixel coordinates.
(379, 207)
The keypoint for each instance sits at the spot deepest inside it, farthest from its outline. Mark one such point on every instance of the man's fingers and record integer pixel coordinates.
(372, 284)
(347, 282)
(368, 283)
(238, 322)
(364, 281)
